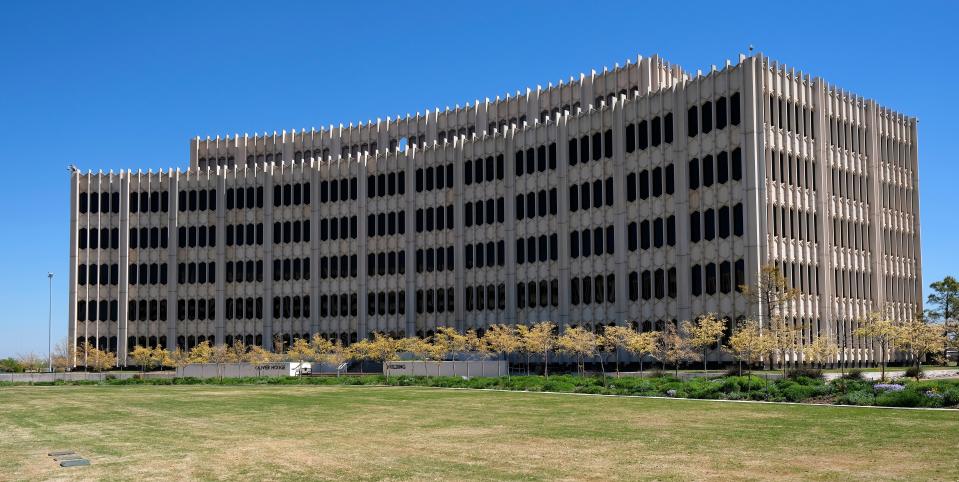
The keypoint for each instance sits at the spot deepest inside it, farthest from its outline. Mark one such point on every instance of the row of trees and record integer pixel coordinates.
(688, 342)
(751, 342)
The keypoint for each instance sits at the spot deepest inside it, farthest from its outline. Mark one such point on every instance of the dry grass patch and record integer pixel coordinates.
(364, 433)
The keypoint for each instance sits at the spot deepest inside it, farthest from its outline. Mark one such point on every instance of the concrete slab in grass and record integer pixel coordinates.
(74, 463)
(61, 452)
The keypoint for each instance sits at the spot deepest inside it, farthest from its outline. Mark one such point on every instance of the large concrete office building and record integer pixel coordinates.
(640, 195)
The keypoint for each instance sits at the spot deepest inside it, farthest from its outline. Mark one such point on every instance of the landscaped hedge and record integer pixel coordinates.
(902, 393)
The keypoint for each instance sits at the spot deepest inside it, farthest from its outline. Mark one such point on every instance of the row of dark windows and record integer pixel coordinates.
(792, 117)
(144, 274)
(901, 288)
(653, 132)
(96, 203)
(197, 200)
(850, 185)
(726, 282)
(846, 135)
(343, 266)
(503, 124)
(602, 194)
(338, 190)
(193, 309)
(152, 238)
(243, 308)
(793, 170)
(287, 307)
(380, 264)
(338, 305)
(536, 160)
(103, 275)
(595, 147)
(307, 155)
(537, 248)
(703, 225)
(534, 204)
(899, 198)
(386, 224)
(484, 212)
(853, 284)
(386, 303)
(144, 310)
(441, 136)
(245, 234)
(291, 269)
(103, 238)
(291, 194)
(898, 243)
(248, 271)
(652, 182)
(649, 284)
(439, 300)
(439, 177)
(480, 298)
(483, 170)
(655, 233)
(533, 294)
(355, 149)
(202, 272)
(482, 255)
(436, 259)
(154, 202)
(895, 152)
(718, 171)
(551, 114)
(801, 276)
(385, 184)
(289, 232)
(700, 118)
(850, 234)
(596, 289)
(93, 311)
(249, 197)
(193, 236)
(340, 228)
(588, 242)
(105, 202)
(436, 217)
(795, 224)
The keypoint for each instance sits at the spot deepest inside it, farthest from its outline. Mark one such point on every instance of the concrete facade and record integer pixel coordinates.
(640, 195)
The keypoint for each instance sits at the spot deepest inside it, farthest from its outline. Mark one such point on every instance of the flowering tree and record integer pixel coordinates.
(577, 343)
(705, 332)
(641, 345)
(883, 332)
(542, 339)
(920, 339)
(502, 340)
(748, 343)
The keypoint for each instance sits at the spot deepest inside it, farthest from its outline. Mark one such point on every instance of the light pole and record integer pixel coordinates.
(50, 323)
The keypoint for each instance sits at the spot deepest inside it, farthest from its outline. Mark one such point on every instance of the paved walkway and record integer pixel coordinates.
(871, 375)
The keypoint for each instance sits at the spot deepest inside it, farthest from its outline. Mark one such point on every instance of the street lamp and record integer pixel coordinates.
(50, 324)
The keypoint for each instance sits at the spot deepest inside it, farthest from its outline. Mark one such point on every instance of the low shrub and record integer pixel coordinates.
(810, 373)
(853, 374)
(914, 372)
(858, 397)
(906, 398)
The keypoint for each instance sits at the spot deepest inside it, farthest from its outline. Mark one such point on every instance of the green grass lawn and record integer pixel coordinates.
(319, 432)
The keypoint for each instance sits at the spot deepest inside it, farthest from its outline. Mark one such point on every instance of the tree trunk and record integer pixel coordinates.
(546, 364)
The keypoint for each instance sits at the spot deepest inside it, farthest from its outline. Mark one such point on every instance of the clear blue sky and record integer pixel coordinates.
(126, 84)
